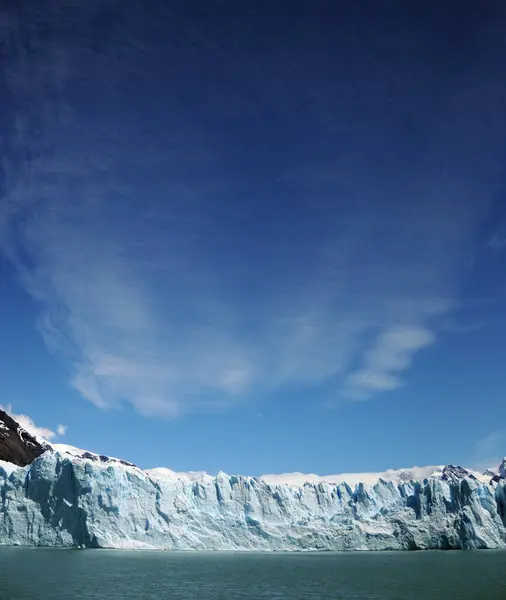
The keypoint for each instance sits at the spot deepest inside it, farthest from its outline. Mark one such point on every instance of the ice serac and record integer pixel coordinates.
(17, 446)
(66, 498)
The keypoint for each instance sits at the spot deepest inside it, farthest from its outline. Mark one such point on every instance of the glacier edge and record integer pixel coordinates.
(63, 499)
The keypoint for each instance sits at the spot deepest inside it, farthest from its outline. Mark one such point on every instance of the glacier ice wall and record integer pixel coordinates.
(62, 500)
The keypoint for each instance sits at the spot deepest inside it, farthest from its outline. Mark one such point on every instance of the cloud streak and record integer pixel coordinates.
(497, 242)
(391, 354)
(172, 280)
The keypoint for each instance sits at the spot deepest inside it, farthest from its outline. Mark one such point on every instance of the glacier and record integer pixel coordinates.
(71, 498)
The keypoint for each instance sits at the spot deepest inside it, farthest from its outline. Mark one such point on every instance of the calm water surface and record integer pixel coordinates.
(43, 574)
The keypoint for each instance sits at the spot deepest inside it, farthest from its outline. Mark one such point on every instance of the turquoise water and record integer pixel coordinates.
(44, 574)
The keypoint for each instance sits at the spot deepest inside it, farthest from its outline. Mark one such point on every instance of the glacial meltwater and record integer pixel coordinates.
(42, 574)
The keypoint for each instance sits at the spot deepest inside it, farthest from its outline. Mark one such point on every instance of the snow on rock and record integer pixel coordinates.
(502, 469)
(396, 475)
(78, 453)
(169, 474)
(66, 498)
(7, 468)
(17, 446)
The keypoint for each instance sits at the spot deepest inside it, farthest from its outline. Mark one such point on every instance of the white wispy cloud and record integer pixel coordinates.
(497, 242)
(163, 285)
(173, 338)
(391, 354)
(28, 424)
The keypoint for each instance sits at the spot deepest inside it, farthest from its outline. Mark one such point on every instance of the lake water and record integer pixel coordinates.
(46, 574)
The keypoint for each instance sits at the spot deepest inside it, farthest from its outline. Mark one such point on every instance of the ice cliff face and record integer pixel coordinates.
(65, 498)
(70, 497)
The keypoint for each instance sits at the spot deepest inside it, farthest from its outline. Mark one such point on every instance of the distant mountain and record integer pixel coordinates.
(17, 446)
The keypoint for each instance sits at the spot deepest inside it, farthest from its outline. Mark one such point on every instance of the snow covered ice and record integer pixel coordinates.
(67, 497)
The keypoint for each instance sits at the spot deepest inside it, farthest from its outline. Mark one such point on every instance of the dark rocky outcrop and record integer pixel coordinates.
(17, 445)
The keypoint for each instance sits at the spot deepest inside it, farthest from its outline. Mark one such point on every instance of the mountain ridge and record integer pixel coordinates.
(17, 445)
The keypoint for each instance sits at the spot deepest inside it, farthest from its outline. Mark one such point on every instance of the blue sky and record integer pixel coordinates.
(257, 238)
